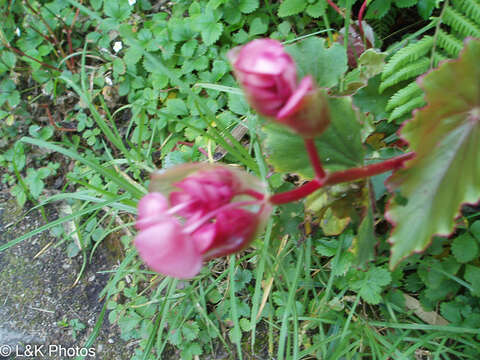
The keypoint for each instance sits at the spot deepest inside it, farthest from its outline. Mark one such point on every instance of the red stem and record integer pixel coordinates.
(360, 25)
(339, 177)
(296, 194)
(252, 193)
(315, 159)
(336, 8)
(369, 170)
(52, 122)
(21, 53)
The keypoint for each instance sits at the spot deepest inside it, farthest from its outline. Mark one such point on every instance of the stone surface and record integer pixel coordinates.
(38, 298)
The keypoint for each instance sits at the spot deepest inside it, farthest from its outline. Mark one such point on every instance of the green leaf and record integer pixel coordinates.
(258, 26)
(465, 248)
(34, 180)
(133, 55)
(209, 25)
(285, 28)
(326, 64)
(174, 158)
(188, 48)
(364, 244)
(211, 32)
(475, 229)
(96, 4)
(118, 67)
(371, 63)
(190, 330)
(425, 8)
(175, 337)
(405, 3)
(327, 247)
(339, 147)
(9, 58)
(176, 107)
(238, 104)
(242, 278)
(291, 7)
(316, 10)
(444, 174)
(248, 6)
(118, 9)
(371, 283)
(452, 311)
(240, 37)
(191, 350)
(472, 275)
(245, 324)
(378, 9)
(19, 194)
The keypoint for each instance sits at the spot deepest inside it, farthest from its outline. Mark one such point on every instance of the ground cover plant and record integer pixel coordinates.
(352, 180)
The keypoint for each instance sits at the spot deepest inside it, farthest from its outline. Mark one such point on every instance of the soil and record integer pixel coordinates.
(38, 299)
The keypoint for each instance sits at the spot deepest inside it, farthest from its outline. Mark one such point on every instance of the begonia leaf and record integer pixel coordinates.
(363, 246)
(446, 170)
(325, 64)
(340, 146)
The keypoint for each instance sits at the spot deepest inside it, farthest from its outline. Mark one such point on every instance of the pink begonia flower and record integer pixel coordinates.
(196, 212)
(268, 76)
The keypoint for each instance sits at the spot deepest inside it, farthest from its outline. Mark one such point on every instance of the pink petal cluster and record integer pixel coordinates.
(205, 215)
(268, 76)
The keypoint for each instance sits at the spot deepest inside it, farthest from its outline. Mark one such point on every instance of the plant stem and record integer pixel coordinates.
(360, 25)
(336, 8)
(315, 159)
(339, 177)
(21, 53)
(296, 194)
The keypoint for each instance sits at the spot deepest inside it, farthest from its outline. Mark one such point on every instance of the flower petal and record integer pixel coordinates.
(295, 101)
(204, 236)
(263, 56)
(150, 210)
(167, 250)
(235, 229)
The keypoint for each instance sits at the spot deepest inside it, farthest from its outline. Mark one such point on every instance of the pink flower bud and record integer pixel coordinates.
(203, 211)
(268, 76)
(205, 191)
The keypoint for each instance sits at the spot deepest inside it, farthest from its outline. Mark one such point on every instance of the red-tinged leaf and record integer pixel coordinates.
(446, 170)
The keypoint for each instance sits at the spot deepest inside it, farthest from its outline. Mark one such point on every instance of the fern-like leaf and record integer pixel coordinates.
(460, 23)
(471, 8)
(459, 19)
(405, 73)
(404, 95)
(406, 108)
(407, 55)
(449, 43)
(438, 58)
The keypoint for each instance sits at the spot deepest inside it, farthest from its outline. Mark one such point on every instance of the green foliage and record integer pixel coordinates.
(465, 248)
(370, 284)
(149, 86)
(457, 21)
(339, 146)
(313, 57)
(407, 55)
(291, 7)
(443, 135)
